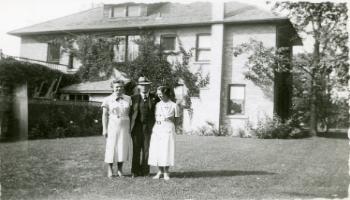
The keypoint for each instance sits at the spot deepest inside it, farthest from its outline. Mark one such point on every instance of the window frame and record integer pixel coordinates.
(127, 10)
(49, 55)
(127, 48)
(229, 99)
(126, 52)
(168, 36)
(201, 49)
(71, 61)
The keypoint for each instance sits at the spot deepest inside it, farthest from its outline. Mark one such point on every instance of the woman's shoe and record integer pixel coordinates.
(157, 176)
(166, 176)
(120, 174)
(109, 174)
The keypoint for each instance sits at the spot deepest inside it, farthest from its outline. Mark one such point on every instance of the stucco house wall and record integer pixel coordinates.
(32, 48)
(258, 103)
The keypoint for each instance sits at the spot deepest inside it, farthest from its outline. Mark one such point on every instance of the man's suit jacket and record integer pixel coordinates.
(152, 101)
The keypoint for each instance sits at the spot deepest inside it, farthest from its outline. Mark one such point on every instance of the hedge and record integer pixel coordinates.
(56, 119)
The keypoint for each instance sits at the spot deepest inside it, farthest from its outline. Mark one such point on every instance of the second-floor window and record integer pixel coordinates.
(53, 53)
(118, 11)
(125, 11)
(168, 42)
(203, 47)
(120, 49)
(127, 49)
(133, 11)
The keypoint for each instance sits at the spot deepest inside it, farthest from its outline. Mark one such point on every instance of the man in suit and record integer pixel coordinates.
(142, 121)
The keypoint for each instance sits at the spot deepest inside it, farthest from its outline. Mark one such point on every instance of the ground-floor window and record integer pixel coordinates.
(79, 97)
(236, 99)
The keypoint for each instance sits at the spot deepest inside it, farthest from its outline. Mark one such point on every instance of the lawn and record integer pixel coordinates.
(206, 168)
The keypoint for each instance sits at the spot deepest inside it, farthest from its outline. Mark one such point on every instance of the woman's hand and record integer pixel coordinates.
(105, 134)
(170, 118)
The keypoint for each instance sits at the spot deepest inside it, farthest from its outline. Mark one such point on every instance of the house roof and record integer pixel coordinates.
(101, 87)
(95, 87)
(158, 15)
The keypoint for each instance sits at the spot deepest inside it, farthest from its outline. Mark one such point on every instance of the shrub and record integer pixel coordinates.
(275, 127)
(244, 133)
(209, 129)
(56, 119)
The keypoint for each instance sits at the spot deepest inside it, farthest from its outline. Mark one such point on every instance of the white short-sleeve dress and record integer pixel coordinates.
(162, 145)
(118, 142)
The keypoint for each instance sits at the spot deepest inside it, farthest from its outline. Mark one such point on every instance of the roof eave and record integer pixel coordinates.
(86, 91)
(271, 20)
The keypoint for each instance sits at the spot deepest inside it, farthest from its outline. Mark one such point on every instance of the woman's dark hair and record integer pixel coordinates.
(165, 91)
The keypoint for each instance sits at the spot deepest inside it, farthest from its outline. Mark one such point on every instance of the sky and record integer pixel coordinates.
(20, 13)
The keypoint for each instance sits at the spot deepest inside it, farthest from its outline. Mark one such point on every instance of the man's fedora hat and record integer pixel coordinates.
(143, 81)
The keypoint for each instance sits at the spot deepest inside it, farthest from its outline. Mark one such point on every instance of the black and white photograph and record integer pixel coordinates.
(174, 99)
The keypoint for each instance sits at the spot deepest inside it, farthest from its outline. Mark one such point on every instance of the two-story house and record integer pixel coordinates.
(211, 29)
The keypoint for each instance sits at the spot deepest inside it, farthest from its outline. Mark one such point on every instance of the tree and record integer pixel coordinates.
(153, 63)
(97, 57)
(326, 23)
(150, 62)
(94, 52)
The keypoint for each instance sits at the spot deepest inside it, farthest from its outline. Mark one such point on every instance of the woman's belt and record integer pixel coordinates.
(163, 121)
(119, 117)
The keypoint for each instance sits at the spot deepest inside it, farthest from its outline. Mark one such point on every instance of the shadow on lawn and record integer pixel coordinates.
(217, 173)
(334, 134)
(342, 194)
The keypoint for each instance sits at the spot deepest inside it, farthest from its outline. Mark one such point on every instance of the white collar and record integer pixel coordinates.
(114, 95)
(144, 95)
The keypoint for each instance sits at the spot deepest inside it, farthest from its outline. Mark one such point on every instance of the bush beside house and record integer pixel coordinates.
(55, 119)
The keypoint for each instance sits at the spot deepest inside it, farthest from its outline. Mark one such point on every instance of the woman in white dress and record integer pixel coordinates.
(162, 145)
(116, 127)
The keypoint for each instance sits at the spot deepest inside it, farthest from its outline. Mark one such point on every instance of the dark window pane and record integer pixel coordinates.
(168, 42)
(53, 53)
(71, 97)
(85, 97)
(70, 61)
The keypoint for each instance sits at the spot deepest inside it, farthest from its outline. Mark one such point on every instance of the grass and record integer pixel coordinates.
(206, 168)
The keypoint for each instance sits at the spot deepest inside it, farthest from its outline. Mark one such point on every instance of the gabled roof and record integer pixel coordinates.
(159, 14)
